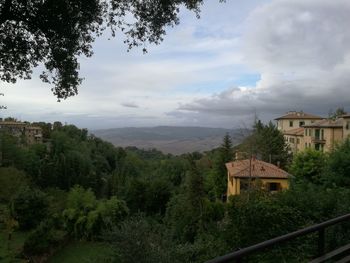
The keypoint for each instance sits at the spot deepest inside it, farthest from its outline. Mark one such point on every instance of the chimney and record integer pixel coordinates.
(238, 155)
(278, 164)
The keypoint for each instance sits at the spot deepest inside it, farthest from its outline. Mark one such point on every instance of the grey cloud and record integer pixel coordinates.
(301, 50)
(299, 34)
(129, 105)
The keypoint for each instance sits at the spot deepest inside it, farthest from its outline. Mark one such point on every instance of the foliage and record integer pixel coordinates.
(190, 212)
(84, 180)
(339, 112)
(219, 173)
(308, 165)
(29, 207)
(141, 239)
(83, 251)
(86, 217)
(267, 143)
(11, 180)
(55, 33)
(150, 197)
(339, 166)
(43, 238)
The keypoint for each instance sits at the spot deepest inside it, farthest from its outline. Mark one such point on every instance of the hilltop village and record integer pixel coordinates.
(301, 131)
(65, 192)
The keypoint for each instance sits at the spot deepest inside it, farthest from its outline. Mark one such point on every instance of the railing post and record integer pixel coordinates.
(321, 241)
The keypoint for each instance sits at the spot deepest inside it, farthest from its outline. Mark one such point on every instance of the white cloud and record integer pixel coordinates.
(301, 49)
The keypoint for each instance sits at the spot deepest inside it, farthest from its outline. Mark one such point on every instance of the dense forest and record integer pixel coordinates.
(145, 206)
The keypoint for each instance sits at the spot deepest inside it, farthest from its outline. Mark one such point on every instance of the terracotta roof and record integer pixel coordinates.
(12, 123)
(326, 123)
(256, 169)
(296, 132)
(298, 115)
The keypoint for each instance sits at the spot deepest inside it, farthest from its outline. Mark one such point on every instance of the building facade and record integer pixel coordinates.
(31, 134)
(312, 131)
(252, 173)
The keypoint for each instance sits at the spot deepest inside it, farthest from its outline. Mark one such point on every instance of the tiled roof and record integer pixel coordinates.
(298, 115)
(256, 169)
(326, 123)
(296, 132)
(12, 123)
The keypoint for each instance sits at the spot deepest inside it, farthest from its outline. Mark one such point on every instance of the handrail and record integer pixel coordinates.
(238, 255)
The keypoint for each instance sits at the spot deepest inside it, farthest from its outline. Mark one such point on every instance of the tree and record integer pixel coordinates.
(267, 143)
(11, 180)
(224, 155)
(308, 165)
(55, 33)
(337, 113)
(339, 165)
(185, 212)
(29, 207)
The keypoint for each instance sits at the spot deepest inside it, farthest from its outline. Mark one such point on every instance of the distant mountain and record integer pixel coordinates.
(169, 139)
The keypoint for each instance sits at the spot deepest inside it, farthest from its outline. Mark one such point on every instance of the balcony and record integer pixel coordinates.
(318, 140)
(322, 254)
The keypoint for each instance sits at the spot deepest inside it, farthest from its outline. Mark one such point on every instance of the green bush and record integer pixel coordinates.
(11, 180)
(29, 207)
(86, 217)
(45, 237)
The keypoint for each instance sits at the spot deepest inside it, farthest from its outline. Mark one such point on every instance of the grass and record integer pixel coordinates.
(83, 252)
(11, 253)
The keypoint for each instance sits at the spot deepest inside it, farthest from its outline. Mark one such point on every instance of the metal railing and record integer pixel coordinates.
(239, 255)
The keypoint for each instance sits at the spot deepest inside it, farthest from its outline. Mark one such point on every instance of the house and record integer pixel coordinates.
(295, 119)
(324, 135)
(32, 134)
(242, 174)
(303, 130)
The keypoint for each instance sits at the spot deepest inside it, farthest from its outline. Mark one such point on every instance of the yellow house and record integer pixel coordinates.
(295, 119)
(346, 126)
(324, 135)
(246, 173)
(295, 139)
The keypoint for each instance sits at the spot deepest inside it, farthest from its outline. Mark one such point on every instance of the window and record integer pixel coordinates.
(244, 184)
(305, 132)
(305, 145)
(291, 140)
(317, 134)
(273, 187)
(290, 123)
(301, 123)
(347, 125)
(298, 140)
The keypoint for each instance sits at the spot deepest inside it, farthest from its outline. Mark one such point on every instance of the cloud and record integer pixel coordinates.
(301, 49)
(129, 105)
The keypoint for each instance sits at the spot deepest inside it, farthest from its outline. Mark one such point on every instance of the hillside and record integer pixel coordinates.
(169, 139)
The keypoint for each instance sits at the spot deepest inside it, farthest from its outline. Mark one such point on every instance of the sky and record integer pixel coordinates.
(240, 59)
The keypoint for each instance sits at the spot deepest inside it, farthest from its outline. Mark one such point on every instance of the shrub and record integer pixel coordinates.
(29, 207)
(45, 237)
